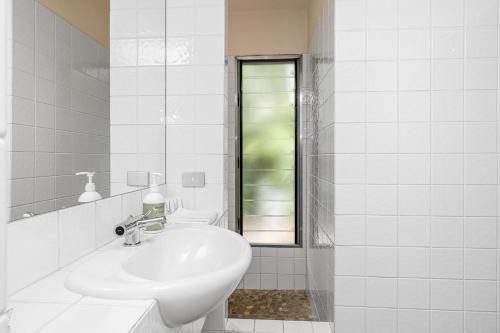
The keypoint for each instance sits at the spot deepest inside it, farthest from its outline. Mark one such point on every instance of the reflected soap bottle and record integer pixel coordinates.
(90, 194)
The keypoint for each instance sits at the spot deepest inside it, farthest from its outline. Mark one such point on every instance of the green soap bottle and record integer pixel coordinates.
(153, 205)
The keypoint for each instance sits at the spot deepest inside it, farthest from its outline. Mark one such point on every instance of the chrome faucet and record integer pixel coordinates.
(132, 227)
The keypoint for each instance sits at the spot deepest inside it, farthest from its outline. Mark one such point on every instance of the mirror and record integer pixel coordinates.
(85, 98)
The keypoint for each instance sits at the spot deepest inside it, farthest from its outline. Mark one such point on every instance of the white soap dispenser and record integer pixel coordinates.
(90, 193)
(153, 205)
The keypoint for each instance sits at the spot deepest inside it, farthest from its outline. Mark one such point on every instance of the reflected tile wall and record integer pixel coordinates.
(59, 119)
(318, 96)
(138, 116)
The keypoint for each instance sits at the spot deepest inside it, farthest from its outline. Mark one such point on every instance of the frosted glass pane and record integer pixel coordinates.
(266, 85)
(272, 69)
(269, 177)
(259, 115)
(268, 208)
(268, 100)
(269, 192)
(269, 131)
(275, 223)
(269, 152)
(283, 162)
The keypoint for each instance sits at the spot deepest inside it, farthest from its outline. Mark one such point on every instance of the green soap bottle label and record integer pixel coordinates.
(154, 211)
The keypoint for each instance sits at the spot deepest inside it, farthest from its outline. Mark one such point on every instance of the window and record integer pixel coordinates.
(267, 159)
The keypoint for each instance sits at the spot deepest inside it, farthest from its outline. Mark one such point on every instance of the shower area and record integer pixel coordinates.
(399, 110)
(402, 165)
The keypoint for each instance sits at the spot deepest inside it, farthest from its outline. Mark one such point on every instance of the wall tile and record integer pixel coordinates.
(447, 294)
(77, 232)
(32, 250)
(123, 23)
(108, 214)
(447, 263)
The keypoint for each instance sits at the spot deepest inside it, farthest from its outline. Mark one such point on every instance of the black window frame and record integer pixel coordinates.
(298, 147)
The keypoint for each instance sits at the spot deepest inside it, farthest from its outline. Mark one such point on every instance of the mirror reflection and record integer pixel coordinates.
(70, 81)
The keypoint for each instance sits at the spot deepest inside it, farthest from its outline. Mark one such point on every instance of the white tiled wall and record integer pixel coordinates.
(416, 165)
(59, 117)
(196, 129)
(319, 96)
(276, 268)
(137, 32)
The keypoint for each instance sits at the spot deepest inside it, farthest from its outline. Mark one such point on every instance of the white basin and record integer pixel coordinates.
(188, 269)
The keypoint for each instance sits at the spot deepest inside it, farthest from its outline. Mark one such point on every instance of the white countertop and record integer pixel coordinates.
(47, 306)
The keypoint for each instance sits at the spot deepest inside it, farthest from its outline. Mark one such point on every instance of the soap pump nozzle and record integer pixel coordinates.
(90, 193)
(155, 180)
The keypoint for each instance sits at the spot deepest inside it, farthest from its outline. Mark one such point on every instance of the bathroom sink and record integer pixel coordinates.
(188, 269)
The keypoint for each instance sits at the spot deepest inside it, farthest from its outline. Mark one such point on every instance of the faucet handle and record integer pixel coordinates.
(120, 230)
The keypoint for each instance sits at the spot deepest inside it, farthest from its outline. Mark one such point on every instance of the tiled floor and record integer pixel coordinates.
(269, 304)
(276, 326)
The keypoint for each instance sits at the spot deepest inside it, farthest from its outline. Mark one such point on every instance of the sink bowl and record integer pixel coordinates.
(188, 269)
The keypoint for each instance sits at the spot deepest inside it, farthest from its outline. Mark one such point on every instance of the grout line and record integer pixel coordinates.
(498, 166)
(398, 175)
(365, 186)
(429, 320)
(464, 39)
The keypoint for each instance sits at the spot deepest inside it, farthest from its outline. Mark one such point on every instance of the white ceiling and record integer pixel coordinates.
(267, 4)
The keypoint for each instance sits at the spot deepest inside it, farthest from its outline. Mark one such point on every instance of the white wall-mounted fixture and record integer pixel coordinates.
(138, 178)
(193, 179)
